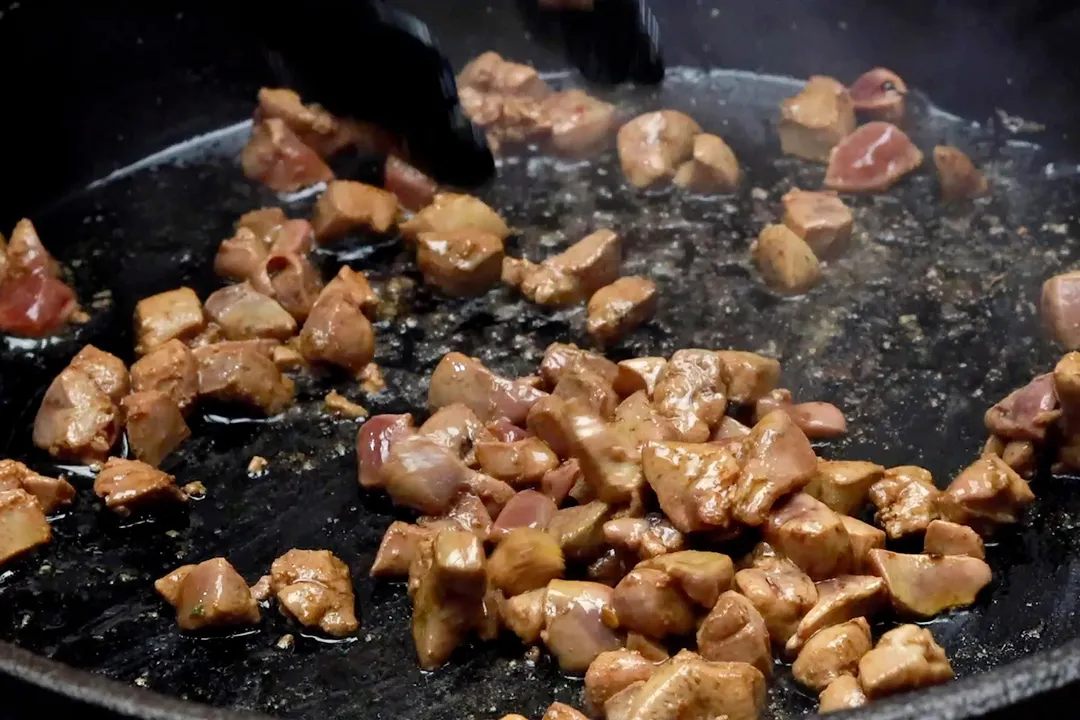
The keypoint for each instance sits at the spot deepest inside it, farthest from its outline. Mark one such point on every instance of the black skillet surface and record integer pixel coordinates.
(927, 320)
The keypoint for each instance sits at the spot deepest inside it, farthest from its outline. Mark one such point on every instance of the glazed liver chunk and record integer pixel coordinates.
(821, 219)
(373, 442)
(871, 159)
(454, 211)
(347, 205)
(580, 124)
(423, 474)
(292, 280)
(925, 585)
(957, 175)
(712, 169)
(947, 538)
(748, 376)
(618, 308)
(243, 372)
(813, 536)
(844, 485)
(316, 128)
(572, 275)
(988, 493)
(880, 94)
(689, 478)
(240, 256)
(22, 524)
(690, 390)
(905, 658)
(49, 492)
(244, 314)
(277, 158)
(162, 317)
(831, 653)
(525, 559)
(337, 331)
(460, 262)
(76, 420)
(906, 500)
(705, 689)
(734, 631)
(649, 601)
(843, 693)
(314, 587)
(210, 594)
(155, 425)
(780, 591)
(1025, 413)
(126, 485)
(785, 261)
(1059, 308)
(815, 120)
(107, 371)
(653, 146)
(778, 461)
(262, 221)
(170, 368)
(413, 189)
(462, 379)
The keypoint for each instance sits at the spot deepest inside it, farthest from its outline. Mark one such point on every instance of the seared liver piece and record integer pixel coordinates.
(831, 653)
(107, 371)
(76, 420)
(558, 483)
(412, 188)
(986, 494)
(701, 575)
(713, 168)
(23, 526)
(580, 124)
(423, 474)
(694, 483)
(612, 672)
(316, 128)
(785, 261)
(699, 689)
(747, 376)
(619, 308)
(844, 485)
(1059, 308)
(947, 538)
(821, 219)
(240, 256)
(637, 417)
(778, 460)
(457, 427)
(50, 493)
(34, 301)
(398, 548)
(245, 373)
(691, 392)
(277, 158)
(879, 93)
(957, 175)
(780, 591)
(864, 538)
(454, 211)
(812, 536)
(653, 146)
(337, 331)
(905, 658)
(162, 317)
(262, 221)
(841, 599)
(573, 623)
(127, 485)
(559, 711)
(571, 276)
(819, 420)
(1027, 412)
(461, 263)
(579, 529)
(638, 374)
(244, 314)
(521, 463)
(734, 631)
(292, 280)
(170, 368)
(906, 500)
(155, 426)
(347, 205)
(561, 359)
(462, 379)
(525, 559)
(588, 390)
(210, 594)
(871, 159)
(815, 120)
(314, 587)
(925, 585)
(843, 693)
(645, 537)
(527, 508)
(650, 602)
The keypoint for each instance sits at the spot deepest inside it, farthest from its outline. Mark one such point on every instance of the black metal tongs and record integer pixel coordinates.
(361, 59)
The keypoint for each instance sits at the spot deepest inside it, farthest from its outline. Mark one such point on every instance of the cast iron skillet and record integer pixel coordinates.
(928, 320)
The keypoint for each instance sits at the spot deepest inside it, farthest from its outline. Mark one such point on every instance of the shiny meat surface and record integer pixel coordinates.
(653, 146)
(458, 428)
(463, 379)
(905, 658)
(571, 276)
(240, 256)
(127, 485)
(645, 537)
(561, 359)
(843, 693)
(106, 370)
(277, 158)
(23, 526)
(34, 301)
(925, 585)
(690, 390)
(50, 492)
(169, 368)
(347, 205)
(291, 279)
(423, 474)
(315, 127)
(588, 390)
(988, 493)
(314, 587)
(690, 688)
(831, 653)
(906, 500)
(864, 538)
(957, 175)
(871, 159)
(557, 483)
(580, 124)
(574, 629)
(413, 189)
(844, 485)
(780, 591)
(815, 120)
(579, 529)
(77, 420)
(785, 260)
(263, 221)
(461, 263)
(243, 372)
(162, 317)
(820, 218)
(637, 417)
(397, 549)
(619, 308)
(700, 574)
(337, 332)
(819, 420)
(210, 594)
(948, 538)
(154, 425)
(453, 211)
(734, 631)
(525, 559)
(879, 93)
(242, 313)
(713, 167)
(778, 460)
(695, 484)
(840, 599)
(614, 671)
(812, 536)
(521, 463)
(747, 376)
(638, 375)
(1025, 413)
(650, 602)
(1059, 307)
